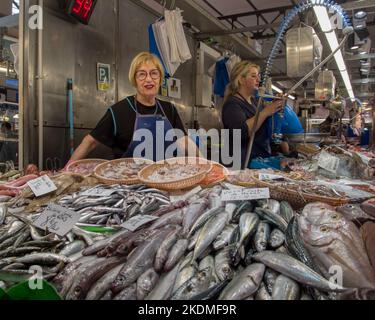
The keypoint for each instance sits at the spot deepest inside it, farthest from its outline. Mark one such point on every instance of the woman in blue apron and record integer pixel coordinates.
(239, 111)
(137, 126)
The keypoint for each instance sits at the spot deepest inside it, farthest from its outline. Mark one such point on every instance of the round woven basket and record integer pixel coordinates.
(74, 164)
(102, 167)
(204, 165)
(298, 199)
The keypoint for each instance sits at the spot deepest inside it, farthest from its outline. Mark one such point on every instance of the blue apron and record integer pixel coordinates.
(153, 123)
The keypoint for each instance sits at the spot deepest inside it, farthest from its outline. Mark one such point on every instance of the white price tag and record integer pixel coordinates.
(137, 221)
(186, 196)
(328, 162)
(245, 194)
(269, 176)
(41, 186)
(57, 219)
(98, 192)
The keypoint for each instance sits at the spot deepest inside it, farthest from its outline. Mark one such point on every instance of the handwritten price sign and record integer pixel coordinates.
(57, 219)
(245, 194)
(41, 186)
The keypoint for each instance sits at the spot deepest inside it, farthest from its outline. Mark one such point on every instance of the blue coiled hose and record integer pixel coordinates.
(299, 8)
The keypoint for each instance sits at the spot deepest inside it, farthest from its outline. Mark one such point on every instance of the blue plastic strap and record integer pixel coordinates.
(114, 122)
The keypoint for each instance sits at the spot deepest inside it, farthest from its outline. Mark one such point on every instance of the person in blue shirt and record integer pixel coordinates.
(239, 111)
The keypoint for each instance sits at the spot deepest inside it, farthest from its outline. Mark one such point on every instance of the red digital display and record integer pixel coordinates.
(81, 9)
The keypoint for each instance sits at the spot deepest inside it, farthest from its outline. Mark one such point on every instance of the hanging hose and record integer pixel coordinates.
(299, 8)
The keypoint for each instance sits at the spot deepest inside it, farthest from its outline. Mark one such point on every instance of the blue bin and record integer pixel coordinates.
(365, 137)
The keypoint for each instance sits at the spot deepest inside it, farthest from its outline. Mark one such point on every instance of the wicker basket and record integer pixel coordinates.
(74, 164)
(99, 170)
(298, 199)
(204, 165)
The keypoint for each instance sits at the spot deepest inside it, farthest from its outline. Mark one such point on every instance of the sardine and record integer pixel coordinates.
(103, 284)
(273, 218)
(223, 238)
(164, 249)
(262, 293)
(140, 260)
(146, 283)
(209, 232)
(223, 267)
(201, 221)
(285, 289)
(191, 214)
(247, 226)
(244, 284)
(174, 217)
(84, 281)
(295, 270)
(245, 206)
(184, 275)
(129, 293)
(286, 211)
(276, 239)
(164, 287)
(42, 259)
(73, 248)
(175, 254)
(273, 206)
(208, 263)
(261, 236)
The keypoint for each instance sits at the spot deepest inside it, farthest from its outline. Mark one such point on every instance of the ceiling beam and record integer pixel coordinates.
(360, 56)
(353, 5)
(255, 12)
(363, 81)
(234, 31)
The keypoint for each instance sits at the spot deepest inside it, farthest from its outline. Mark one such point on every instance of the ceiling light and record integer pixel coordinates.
(360, 14)
(278, 90)
(325, 24)
(292, 98)
(355, 47)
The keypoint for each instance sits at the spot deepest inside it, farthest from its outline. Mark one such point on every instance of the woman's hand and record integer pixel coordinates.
(273, 107)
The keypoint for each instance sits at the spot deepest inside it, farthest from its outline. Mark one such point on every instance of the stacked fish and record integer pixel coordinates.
(124, 203)
(22, 245)
(204, 250)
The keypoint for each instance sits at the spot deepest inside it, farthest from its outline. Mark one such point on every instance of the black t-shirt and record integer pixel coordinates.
(235, 113)
(119, 133)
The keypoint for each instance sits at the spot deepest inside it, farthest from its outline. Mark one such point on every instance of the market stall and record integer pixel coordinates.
(292, 225)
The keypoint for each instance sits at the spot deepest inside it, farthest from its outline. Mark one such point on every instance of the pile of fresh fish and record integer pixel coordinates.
(85, 168)
(22, 245)
(213, 250)
(113, 210)
(197, 249)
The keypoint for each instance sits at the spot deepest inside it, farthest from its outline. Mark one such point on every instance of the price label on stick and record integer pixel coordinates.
(245, 194)
(41, 186)
(137, 221)
(328, 162)
(57, 219)
(98, 192)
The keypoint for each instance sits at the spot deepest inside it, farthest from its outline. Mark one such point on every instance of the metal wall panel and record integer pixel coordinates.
(72, 50)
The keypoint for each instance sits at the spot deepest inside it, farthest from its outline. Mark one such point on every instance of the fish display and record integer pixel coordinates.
(132, 243)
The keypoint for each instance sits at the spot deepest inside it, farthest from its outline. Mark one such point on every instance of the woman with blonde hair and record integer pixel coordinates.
(239, 111)
(117, 129)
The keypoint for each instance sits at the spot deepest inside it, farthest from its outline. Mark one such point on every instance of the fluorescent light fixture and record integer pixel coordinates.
(278, 90)
(323, 18)
(354, 47)
(16, 116)
(360, 14)
(292, 98)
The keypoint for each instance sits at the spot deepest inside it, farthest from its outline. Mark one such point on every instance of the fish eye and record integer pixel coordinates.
(323, 229)
(77, 290)
(334, 216)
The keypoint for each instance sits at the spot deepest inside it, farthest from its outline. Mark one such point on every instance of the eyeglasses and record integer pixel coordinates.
(142, 75)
